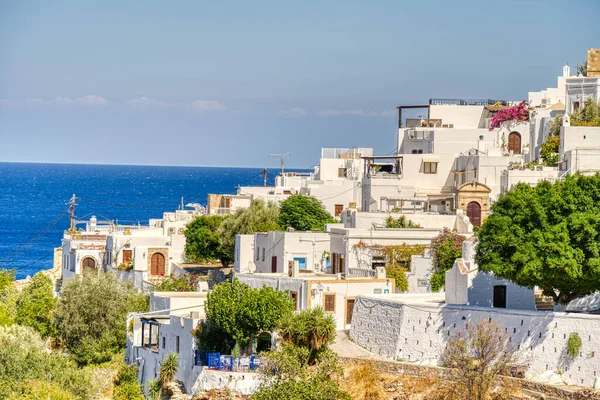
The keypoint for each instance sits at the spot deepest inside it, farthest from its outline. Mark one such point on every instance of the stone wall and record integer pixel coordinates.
(403, 327)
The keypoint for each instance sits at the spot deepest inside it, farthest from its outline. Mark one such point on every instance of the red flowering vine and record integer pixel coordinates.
(518, 114)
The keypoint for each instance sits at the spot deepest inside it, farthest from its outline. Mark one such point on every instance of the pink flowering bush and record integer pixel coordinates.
(518, 114)
(445, 249)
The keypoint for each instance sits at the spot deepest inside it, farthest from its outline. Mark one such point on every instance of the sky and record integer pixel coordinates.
(228, 83)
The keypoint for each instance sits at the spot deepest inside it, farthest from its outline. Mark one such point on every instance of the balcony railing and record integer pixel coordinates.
(361, 273)
(227, 362)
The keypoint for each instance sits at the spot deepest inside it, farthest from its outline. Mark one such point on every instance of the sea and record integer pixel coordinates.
(34, 201)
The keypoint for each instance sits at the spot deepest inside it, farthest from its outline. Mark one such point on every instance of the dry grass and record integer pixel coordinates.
(364, 382)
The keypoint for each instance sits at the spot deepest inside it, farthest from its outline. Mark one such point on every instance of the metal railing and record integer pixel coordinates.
(466, 102)
(227, 362)
(361, 273)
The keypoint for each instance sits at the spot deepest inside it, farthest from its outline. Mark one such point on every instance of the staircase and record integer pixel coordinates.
(543, 303)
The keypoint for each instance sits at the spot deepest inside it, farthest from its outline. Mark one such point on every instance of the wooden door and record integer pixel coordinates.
(514, 142)
(334, 263)
(500, 296)
(127, 256)
(157, 264)
(88, 263)
(474, 213)
(338, 209)
(349, 310)
(342, 265)
(274, 264)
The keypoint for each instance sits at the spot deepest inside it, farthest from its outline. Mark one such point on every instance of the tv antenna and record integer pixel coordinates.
(283, 156)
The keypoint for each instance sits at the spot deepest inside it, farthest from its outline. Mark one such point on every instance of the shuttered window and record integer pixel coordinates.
(127, 256)
(329, 303)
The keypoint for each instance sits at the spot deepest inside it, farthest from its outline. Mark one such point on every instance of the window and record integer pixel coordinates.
(338, 209)
(430, 167)
(263, 254)
(294, 297)
(257, 253)
(329, 302)
(163, 342)
(341, 172)
(575, 105)
(176, 344)
(127, 256)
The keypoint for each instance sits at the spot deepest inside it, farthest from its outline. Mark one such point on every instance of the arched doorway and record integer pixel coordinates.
(474, 213)
(157, 264)
(514, 142)
(88, 264)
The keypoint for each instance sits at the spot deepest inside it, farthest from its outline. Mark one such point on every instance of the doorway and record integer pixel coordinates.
(474, 213)
(157, 264)
(499, 297)
(349, 310)
(514, 142)
(88, 264)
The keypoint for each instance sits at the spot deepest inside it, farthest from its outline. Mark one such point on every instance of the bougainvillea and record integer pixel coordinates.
(518, 114)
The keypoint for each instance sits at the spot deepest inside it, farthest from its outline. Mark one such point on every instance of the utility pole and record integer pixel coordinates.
(264, 177)
(72, 213)
(283, 156)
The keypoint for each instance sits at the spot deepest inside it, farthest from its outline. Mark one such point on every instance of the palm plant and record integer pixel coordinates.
(311, 329)
(168, 368)
(154, 389)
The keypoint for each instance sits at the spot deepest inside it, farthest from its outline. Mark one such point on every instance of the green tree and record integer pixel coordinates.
(203, 242)
(310, 329)
(547, 236)
(398, 274)
(588, 115)
(8, 297)
(550, 148)
(303, 213)
(242, 312)
(36, 304)
(91, 313)
(445, 249)
(289, 378)
(261, 216)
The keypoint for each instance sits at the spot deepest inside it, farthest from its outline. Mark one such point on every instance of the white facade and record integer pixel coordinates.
(550, 96)
(417, 328)
(579, 89)
(580, 149)
(274, 250)
(312, 291)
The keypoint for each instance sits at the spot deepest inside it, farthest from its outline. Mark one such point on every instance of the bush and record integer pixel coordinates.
(126, 384)
(186, 283)
(445, 249)
(574, 345)
(202, 241)
(303, 213)
(36, 304)
(8, 297)
(91, 315)
(399, 276)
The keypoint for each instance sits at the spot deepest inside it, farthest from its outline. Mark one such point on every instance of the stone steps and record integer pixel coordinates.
(543, 303)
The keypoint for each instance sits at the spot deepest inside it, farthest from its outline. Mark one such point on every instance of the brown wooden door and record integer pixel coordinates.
(334, 261)
(88, 263)
(342, 265)
(514, 142)
(274, 264)
(349, 310)
(127, 256)
(338, 209)
(474, 213)
(157, 264)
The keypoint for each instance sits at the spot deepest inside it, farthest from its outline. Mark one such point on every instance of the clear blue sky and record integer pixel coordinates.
(229, 82)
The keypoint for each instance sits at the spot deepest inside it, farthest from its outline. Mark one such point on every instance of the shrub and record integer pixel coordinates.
(574, 345)
(126, 384)
(399, 276)
(445, 249)
(186, 283)
(8, 297)
(91, 314)
(36, 304)
(169, 368)
(303, 213)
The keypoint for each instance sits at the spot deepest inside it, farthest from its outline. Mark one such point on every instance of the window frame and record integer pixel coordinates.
(427, 167)
(325, 295)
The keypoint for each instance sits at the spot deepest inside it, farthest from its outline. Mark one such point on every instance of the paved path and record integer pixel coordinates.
(346, 348)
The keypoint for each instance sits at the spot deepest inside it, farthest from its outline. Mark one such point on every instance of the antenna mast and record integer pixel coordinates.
(72, 213)
(283, 156)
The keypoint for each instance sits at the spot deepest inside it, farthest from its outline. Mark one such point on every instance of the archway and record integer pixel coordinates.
(157, 264)
(88, 264)
(474, 213)
(514, 142)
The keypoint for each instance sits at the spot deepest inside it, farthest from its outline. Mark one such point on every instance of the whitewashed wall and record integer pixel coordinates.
(416, 331)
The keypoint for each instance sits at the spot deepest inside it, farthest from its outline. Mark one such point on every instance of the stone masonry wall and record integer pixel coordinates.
(419, 332)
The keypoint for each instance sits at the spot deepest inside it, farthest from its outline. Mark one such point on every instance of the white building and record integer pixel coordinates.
(145, 255)
(308, 290)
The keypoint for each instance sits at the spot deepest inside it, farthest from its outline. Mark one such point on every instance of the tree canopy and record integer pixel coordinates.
(36, 304)
(203, 242)
(445, 249)
(261, 216)
(91, 313)
(241, 312)
(547, 236)
(8, 297)
(303, 213)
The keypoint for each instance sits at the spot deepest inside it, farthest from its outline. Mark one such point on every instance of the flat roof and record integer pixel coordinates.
(313, 277)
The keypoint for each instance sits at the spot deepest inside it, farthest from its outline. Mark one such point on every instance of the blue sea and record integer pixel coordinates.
(34, 201)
